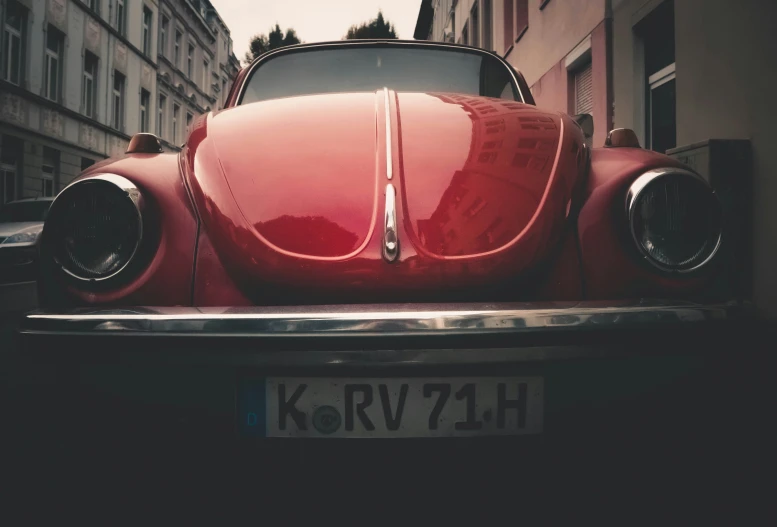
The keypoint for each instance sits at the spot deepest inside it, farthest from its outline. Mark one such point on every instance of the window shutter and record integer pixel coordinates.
(508, 20)
(584, 96)
(521, 17)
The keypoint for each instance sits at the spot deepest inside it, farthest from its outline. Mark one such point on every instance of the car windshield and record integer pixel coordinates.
(24, 211)
(370, 68)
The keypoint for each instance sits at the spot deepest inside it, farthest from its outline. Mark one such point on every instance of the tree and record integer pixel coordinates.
(375, 28)
(274, 39)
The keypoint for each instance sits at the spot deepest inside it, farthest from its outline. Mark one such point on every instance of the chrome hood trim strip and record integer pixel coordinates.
(390, 237)
(389, 160)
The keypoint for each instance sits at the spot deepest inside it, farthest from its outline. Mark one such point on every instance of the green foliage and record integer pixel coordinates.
(274, 39)
(375, 28)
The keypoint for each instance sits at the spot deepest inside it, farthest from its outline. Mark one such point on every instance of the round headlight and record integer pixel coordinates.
(675, 219)
(95, 227)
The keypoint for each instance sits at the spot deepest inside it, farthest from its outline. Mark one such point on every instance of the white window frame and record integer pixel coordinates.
(205, 75)
(189, 121)
(90, 77)
(474, 17)
(164, 25)
(53, 67)
(487, 7)
(147, 23)
(8, 172)
(177, 48)
(121, 17)
(176, 113)
(144, 107)
(10, 35)
(575, 95)
(161, 109)
(117, 101)
(190, 60)
(657, 80)
(662, 76)
(47, 180)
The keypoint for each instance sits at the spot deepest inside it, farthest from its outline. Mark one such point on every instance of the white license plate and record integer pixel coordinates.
(399, 407)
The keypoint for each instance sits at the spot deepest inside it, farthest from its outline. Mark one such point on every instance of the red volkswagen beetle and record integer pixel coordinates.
(382, 240)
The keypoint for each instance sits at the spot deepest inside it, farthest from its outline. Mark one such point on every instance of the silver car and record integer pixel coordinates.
(21, 223)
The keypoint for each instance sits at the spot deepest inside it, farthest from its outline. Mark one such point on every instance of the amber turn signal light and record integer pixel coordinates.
(144, 143)
(622, 137)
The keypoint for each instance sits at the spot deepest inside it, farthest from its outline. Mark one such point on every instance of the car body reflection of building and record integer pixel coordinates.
(501, 183)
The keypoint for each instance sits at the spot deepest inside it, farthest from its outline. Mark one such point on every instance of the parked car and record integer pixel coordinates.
(21, 223)
(383, 239)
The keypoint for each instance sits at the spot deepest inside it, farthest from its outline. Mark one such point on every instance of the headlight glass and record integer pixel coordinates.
(29, 236)
(96, 227)
(675, 219)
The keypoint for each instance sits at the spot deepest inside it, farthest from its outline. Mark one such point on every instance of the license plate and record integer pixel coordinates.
(390, 407)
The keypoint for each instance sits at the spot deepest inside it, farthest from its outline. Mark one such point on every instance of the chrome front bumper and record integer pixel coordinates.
(386, 334)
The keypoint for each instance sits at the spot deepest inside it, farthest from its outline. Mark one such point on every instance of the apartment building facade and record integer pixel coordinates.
(693, 78)
(196, 65)
(79, 77)
(562, 48)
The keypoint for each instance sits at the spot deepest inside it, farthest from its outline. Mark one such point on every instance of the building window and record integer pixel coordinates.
(13, 42)
(176, 114)
(145, 98)
(177, 52)
(474, 17)
(94, 5)
(117, 114)
(205, 76)
(49, 171)
(147, 17)
(163, 27)
(121, 18)
(464, 33)
(584, 96)
(224, 93)
(521, 18)
(662, 105)
(488, 21)
(160, 125)
(449, 33)
(657, 32)
(86, 163)
(189, 118)
(10, 161)
(190, 61)
(53, 73)
(90, 85)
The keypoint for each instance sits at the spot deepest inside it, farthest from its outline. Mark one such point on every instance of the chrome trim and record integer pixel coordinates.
(364, 43)
(389, 160)
(378, 320)
(390, 237)
(134, 195)
(632, 198)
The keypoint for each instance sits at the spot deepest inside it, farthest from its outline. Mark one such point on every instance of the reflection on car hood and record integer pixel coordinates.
(9, 229)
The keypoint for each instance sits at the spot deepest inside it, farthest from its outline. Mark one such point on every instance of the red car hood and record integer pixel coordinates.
(293, 190)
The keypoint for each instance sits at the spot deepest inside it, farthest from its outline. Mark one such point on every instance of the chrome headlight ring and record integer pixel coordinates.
(121, 196)
(679, 210)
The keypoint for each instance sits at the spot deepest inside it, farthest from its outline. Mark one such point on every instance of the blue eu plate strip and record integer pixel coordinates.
(251, 408)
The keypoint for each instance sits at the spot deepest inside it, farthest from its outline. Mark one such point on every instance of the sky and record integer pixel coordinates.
(313, 20)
